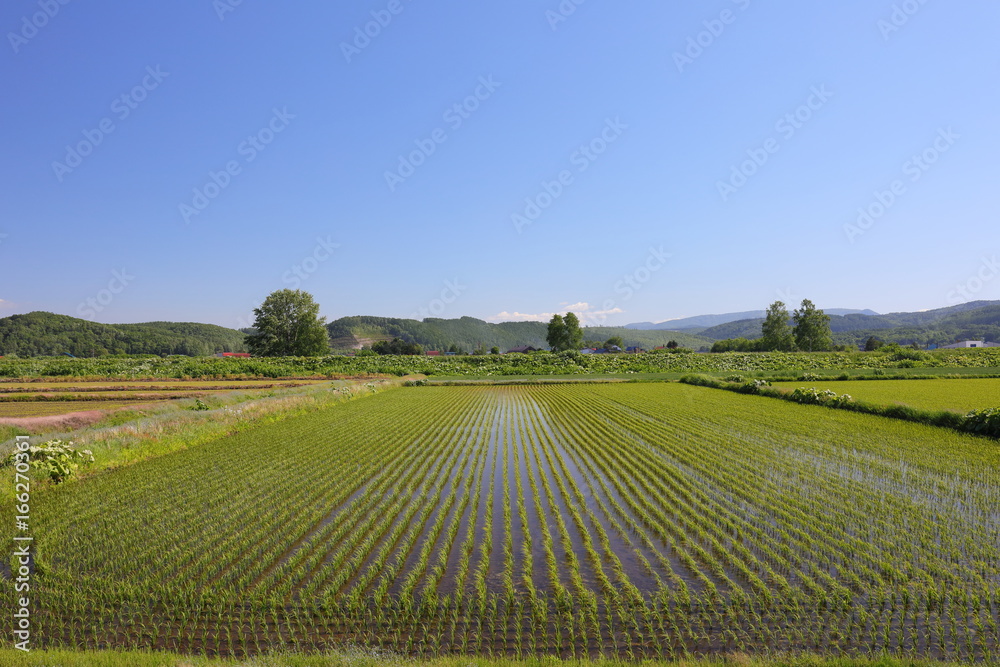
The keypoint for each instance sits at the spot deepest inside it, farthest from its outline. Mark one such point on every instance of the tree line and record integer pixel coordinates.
(48, 334)
(807, 329)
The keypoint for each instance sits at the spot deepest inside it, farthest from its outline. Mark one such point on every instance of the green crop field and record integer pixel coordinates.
(985, 361)
(630, 520)
(958, 395)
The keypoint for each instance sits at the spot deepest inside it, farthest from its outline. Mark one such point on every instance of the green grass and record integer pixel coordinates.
(958, 395)
(22, 409)
(789, 375)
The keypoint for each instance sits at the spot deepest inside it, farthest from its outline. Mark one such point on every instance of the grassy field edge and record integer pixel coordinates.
(984, 422)
(177, 428)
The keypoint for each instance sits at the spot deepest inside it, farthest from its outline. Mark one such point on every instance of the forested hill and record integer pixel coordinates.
(41, 333)
(468, 333)
(976, 320)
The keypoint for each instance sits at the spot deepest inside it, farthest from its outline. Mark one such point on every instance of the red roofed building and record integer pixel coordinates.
(226, 355)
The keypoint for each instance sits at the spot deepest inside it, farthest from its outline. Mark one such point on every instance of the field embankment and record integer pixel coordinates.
(129, 434)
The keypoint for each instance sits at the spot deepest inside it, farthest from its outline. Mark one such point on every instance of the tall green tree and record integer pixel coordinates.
(556, 336)
(564, 333)
(574, 334)
(812, 328)
(776, 333)
(288, 325)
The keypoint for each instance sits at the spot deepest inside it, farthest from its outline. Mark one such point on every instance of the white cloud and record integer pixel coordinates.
(582, 310)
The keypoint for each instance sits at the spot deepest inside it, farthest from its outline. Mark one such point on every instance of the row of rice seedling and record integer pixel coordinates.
(634, 520)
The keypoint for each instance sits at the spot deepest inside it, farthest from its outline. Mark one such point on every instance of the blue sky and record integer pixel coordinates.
(631, 161)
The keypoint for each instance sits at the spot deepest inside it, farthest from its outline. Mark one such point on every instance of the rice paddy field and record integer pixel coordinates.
(958, 395)
(624, 520)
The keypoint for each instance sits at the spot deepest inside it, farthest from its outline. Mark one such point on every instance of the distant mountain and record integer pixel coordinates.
(468, 333)
(705, 321)
(968, 321)
(40, 333)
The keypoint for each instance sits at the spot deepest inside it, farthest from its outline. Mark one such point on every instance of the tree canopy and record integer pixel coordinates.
(564, 333)
(776, 333)
(812, 328)
(396, 346)
(287, 324)
(41, 333)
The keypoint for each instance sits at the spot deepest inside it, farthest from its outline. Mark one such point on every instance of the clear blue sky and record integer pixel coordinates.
(653, 201)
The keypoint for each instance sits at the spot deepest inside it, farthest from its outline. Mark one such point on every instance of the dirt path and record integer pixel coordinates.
(65, 422)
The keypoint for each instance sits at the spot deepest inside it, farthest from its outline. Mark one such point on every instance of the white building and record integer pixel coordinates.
(969, 343)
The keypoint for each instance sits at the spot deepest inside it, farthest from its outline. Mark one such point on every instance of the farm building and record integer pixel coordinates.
(227, 355)
(969, 344)
(522, 349)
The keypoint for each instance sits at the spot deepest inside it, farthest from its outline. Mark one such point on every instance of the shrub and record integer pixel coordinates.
(813, 396)
(983, 422)
(54, 458)
(700, 380)
(754, 386)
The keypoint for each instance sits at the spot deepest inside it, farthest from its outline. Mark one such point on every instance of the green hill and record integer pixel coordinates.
(40, 333)
(976, 320)
(468, 333)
